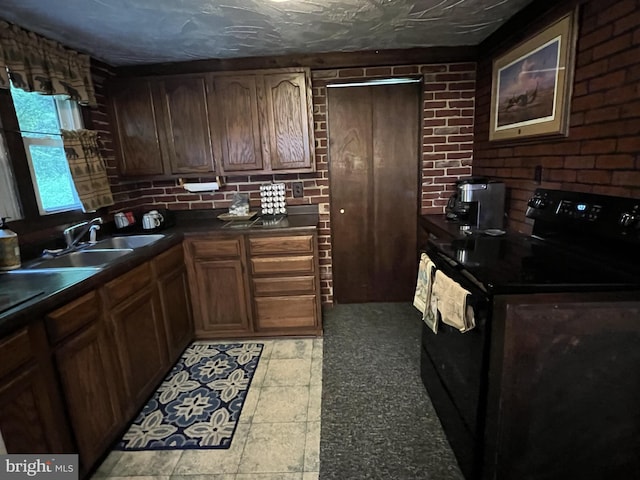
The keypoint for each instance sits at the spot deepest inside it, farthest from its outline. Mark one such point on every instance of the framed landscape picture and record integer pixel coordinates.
(532, 84)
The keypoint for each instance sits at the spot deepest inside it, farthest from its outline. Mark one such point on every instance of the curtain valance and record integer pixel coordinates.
(37, 64)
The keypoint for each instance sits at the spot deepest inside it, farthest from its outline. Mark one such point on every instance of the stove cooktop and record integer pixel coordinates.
(518, 263)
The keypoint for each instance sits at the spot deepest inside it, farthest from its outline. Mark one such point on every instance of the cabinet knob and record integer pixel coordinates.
(342, 210)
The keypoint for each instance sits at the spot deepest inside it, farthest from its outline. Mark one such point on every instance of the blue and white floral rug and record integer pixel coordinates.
(199, 403)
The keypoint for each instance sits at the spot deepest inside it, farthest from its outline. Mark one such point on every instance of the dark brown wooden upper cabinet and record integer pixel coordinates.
(135, 128)
(288, 109)
(161, 126)
(263, 121)
(185, 123)
(237, 124)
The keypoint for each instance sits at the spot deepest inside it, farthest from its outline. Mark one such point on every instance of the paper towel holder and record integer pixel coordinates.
(203, 187)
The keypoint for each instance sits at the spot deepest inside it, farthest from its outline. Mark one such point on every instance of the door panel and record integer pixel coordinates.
(350, 150)
(373, 148)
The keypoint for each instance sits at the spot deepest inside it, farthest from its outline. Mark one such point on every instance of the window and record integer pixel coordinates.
(40, 118)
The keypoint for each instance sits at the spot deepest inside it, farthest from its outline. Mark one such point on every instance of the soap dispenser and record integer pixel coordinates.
(9, 248)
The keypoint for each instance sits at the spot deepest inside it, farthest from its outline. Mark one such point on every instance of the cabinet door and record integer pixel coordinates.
(186, 124)
(176, 309)
(220, 297)
(85, 357)
(141, 342)
(236, 119)
(135, 128)
(86, 368)
(32, 419)
(287, 128)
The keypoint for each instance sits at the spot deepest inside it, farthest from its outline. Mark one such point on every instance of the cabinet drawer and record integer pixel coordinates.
(129, 283)
(215, 248)
(284, 285)
(284, 244)
(73, 316)
(169, 261)
(282, 312)
(14, 351)
(297, 264)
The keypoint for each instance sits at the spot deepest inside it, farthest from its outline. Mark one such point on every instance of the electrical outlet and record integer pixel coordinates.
(298, 189)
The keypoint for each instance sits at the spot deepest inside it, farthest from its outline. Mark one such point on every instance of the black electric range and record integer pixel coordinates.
(546, 385)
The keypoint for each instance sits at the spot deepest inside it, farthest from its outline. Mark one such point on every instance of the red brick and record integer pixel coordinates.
(617, 44)
(351, 72)
(435, 122)
(577, 162)
(621, 95)
(461, 103)
(459, 171)
(462, 86)
(450, 112)
(616, 10)
(602, 114)
(615, 161)
(562, 175)
(429, 139)
(594, 176)
(405, 70)
(630, 109)
(629, 144)
(446, 148)
(607, 81)
(433, 68)
(587, 102)
(598, 146)
(460, 121)
(378, 71)
(595, 37)
(430, 87)
(440, 104)
(447, 95)
(631, 178)
(594, 69)
(462, 67)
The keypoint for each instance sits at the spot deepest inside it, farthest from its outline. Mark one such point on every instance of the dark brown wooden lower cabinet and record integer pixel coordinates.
(32, 418)
(173, 287)
(254, 285)
(218, 284)
(141, 344)
(86, 363)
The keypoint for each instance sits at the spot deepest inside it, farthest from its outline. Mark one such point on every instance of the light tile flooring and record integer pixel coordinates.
(278, 434)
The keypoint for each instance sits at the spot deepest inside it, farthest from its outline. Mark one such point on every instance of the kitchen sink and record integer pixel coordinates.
(131, 241)
(84, 258)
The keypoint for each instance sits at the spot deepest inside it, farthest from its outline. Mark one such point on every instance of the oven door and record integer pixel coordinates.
(454, 371)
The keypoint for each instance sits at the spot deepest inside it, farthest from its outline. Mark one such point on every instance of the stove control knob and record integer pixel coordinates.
(536, 202)
(627, 219)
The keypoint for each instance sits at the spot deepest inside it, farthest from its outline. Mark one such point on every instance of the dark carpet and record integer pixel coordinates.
(377, 420)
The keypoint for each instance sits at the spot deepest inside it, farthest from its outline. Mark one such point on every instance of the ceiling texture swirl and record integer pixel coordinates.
(134, 32)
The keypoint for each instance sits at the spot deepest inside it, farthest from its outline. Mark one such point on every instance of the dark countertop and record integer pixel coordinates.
(54, 288)
(440, 227)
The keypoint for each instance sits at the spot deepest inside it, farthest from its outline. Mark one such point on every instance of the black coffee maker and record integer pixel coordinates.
(477, 203)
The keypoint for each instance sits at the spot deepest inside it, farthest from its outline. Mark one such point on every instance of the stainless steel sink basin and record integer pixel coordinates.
(131, 241)
(84, 258)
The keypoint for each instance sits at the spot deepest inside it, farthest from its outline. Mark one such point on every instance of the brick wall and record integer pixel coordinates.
(446, 152)
(601, 153)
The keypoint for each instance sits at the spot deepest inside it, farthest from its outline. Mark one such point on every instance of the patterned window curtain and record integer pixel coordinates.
(87, 168)
(36, 64)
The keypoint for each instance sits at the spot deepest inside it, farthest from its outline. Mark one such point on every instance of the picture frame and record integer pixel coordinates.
(532, 84)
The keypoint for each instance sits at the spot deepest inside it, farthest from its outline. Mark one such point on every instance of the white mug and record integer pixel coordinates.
(149, 220)
(121, 220)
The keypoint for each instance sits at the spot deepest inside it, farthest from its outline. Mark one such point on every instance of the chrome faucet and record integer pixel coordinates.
(74, 233)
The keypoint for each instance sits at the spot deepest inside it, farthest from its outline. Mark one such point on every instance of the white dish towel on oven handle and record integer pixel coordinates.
(450, 300)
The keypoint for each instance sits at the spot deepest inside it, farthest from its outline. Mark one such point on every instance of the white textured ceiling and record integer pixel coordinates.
(132, 32)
